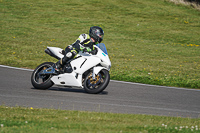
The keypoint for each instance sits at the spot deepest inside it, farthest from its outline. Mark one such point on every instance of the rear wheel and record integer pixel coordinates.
(97, 85)
(41, 81)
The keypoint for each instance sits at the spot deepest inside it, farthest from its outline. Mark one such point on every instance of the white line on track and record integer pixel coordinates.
(154, 85)
(24, 69)
(16, 68)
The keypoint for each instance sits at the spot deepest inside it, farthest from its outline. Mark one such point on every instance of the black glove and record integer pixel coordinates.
(87, 49)
(94, 52)
(84, 50)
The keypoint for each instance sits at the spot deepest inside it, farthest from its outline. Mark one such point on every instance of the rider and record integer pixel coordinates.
(84, 43)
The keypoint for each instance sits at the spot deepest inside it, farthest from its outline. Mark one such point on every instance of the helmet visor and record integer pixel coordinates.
(99, 34)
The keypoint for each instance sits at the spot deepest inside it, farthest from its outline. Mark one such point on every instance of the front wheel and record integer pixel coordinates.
(41, 81)
(97, 85)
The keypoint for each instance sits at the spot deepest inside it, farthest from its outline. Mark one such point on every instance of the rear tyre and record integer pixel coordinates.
(42, 81)
(97, 85)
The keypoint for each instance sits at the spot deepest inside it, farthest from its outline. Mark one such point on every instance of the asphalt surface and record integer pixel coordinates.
(118, 97)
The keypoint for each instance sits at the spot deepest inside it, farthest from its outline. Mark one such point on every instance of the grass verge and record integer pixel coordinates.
(18, 119)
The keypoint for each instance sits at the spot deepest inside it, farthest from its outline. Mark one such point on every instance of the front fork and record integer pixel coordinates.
(93, 74)
(96, 70)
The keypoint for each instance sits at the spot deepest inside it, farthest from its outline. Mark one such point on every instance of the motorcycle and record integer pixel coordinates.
(88, 70)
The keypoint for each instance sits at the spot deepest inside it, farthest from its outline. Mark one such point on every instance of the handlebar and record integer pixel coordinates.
(93, 52)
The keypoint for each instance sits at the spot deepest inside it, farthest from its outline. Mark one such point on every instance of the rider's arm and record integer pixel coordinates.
(81, 43)
(76, 45)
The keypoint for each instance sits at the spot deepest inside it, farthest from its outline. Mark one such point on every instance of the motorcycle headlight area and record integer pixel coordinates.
(109, 66)
(105, 65)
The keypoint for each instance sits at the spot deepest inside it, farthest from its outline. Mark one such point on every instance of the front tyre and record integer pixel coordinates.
(40, 81)
(97, 85)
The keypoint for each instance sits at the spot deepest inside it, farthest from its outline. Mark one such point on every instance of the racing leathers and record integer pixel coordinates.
(83, 43)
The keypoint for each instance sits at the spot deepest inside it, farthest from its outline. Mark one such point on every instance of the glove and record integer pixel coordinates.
(87, 49)
(94, 52)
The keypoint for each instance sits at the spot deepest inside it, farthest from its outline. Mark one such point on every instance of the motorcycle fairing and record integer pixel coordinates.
(84, 63)
(68, 79)
(79, 66)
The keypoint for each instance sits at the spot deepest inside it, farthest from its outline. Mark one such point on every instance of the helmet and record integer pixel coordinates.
(96, 33)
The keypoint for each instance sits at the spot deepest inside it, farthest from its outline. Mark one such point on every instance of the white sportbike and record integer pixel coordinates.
(88, 71)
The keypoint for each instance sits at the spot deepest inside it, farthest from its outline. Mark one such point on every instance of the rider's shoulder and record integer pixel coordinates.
(84, 37)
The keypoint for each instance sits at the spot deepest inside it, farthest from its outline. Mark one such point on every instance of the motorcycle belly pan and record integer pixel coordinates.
(67, 79)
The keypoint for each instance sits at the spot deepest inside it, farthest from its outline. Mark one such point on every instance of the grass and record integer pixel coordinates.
(153, 42)
(19, 119)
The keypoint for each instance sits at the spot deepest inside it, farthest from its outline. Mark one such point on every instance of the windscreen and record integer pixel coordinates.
(102, 47)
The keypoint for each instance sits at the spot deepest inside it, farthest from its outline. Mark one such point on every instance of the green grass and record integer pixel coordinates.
(148, 41)
(18, 119)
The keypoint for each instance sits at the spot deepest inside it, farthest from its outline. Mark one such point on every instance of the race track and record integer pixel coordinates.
(118, 97)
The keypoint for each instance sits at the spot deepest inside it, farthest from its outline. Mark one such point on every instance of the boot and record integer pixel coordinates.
(58, 67)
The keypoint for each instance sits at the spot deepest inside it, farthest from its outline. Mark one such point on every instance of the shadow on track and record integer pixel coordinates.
(76, 90)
